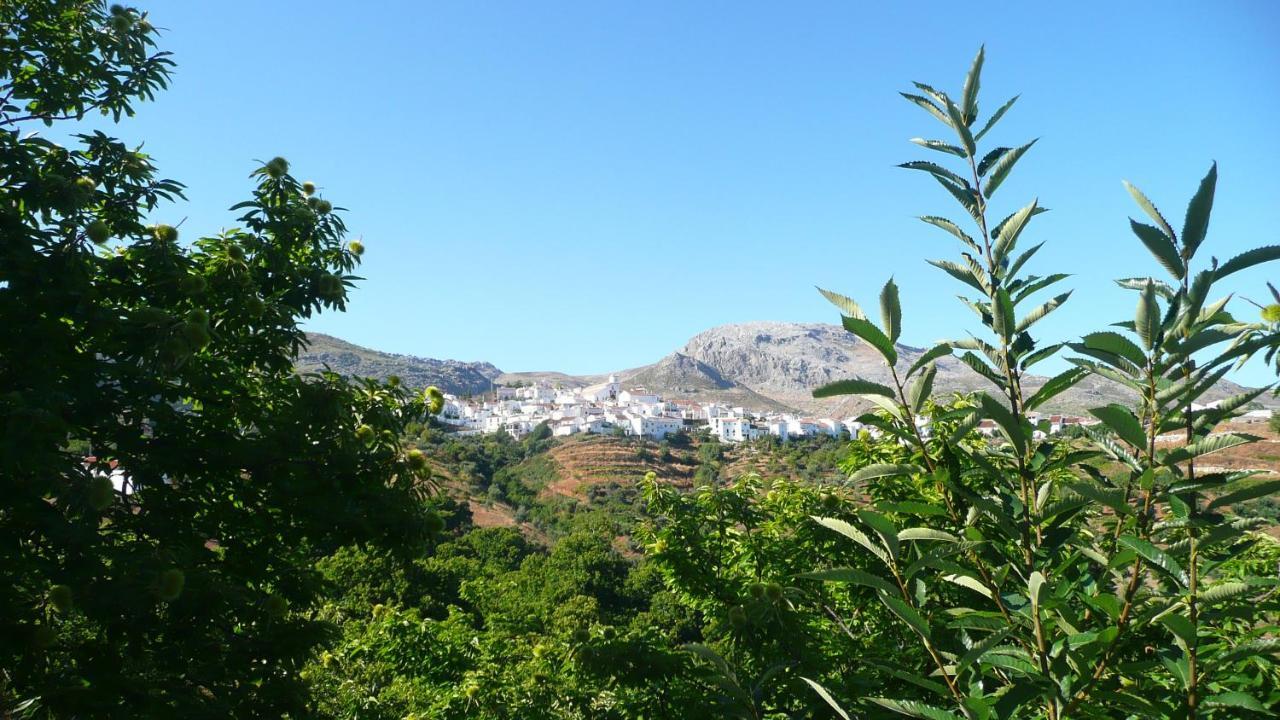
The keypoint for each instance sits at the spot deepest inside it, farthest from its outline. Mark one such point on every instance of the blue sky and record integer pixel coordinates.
(583, 186)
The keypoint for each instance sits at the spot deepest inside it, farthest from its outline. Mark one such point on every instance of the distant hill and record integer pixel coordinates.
(452, 376)
(757, 365)
(678, 376)
(550, 377)
(675, 377)
(785, 361)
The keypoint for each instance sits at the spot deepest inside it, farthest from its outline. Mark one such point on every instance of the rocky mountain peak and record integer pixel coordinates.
(760, 365)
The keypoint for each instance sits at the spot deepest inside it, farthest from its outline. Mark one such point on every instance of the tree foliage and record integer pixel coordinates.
(192, 528)
(488, 625)
(1092, 575)
(168, 479)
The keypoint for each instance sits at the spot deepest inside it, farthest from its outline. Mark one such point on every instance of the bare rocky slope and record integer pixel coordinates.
(759, 365)
(452, 376)
(680, 376)
(786, 361)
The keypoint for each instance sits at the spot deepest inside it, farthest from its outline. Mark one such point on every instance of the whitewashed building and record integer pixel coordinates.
(638, 397)
(603, 392)
(656, 427)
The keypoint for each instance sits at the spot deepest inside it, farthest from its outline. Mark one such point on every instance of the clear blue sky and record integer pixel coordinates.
(583, 186)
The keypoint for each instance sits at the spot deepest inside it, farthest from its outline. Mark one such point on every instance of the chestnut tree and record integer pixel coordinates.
(168, 479)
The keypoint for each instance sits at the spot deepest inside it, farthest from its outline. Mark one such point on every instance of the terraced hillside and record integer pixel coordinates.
(565, 476)
(587, 466)
(585, 462)
(814, 460)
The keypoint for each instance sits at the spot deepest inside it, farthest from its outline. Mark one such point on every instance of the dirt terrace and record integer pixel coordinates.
(582, 463)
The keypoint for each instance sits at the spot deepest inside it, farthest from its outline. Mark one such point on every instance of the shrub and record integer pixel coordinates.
(183, 587)
(1043, 576)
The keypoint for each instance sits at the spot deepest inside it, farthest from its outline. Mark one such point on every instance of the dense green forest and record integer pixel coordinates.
(295, 544)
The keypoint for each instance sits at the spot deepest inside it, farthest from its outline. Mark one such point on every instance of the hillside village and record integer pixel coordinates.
(607, 408)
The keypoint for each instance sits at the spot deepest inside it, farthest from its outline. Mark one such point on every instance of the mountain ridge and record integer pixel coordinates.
(454, 376)
(762, 365)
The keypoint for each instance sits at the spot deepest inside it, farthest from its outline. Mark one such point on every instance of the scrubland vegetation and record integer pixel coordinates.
(286, 544)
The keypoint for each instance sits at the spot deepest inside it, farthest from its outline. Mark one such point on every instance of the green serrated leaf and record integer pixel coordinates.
(1043, 353)
(1035, 284)
(964, 195)
(969, 96)
(915, 709)
(1009, 230)
(1161, 246)
(961, 273)
(950, 227)
(934, 169)
(976, 652)
(1146, 321)
(1268, 647)
(938, 96)
(1181, 628)
(962, 129)
(1196, 225)
(1112, 448)
(1163, 289)
(852, 576)
(1222, 592)
(939, 146)
(710, 656)
(1034, 585)
(1209, 445)
(1236, 699)
(1123, 423)
(846, 305)
(1117, 344)
(826, 696)
(891, 311)
(874, 336)
(933, 353)
(1002, 167)
(929, 106)
(1122, 367)
(1245, 491)
(1150, 209)
(1248, 259)
(1106, 372)
(972, 583)
(963, 429)
(990, 159)
(922, 388)
(1009, 424)
(1002, 318)
(995, 117)
(1110, 497)
(926, 534)
(998, 231)
(1157, 557)
(1039, 312)
(906, 613)
(856, 535)
(1022, 259)
(879, 470)
(1055, 386)
(856, 386)
(977, 365)
(884, 527)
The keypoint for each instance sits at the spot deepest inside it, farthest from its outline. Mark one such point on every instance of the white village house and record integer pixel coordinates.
(607, 407)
